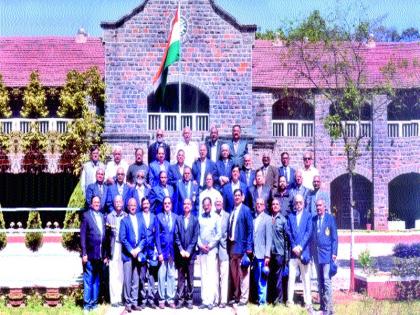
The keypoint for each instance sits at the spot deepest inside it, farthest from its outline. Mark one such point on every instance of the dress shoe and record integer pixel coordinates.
(161, 305)
(222, 305)
(128, 309)
(210, 307)
(202, 307)
(172, 305)
(152, 305)
(189, 306)
(231, 302)
(180, 305)
(136, 308)
(242, 303)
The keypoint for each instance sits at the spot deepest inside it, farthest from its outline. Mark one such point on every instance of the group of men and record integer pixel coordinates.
(250, 230)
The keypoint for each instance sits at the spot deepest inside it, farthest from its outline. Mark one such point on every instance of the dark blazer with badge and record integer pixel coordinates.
(324, 238)
(91, 239)
(300, 235)
(186, 239)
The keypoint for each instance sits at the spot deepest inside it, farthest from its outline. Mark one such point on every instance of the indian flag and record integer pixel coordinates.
(172, 54)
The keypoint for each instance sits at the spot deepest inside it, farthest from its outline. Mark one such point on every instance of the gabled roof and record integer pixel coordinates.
(277, 66)
(53, 57)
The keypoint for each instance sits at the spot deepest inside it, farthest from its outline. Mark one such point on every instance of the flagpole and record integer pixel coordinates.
(179, 65)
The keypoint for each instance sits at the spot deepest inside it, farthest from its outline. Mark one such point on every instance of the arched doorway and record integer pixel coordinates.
(404, 198)
(340, 200)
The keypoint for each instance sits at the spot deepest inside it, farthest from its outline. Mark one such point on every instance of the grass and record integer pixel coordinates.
(69, 309)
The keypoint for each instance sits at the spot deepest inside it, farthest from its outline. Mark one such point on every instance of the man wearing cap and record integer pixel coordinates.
(324, 249)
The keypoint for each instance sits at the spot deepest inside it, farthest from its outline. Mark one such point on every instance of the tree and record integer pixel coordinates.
(410, 34)
(71, 240)
(3, 236)
(34, 98)
(5, 110)
(33, 240)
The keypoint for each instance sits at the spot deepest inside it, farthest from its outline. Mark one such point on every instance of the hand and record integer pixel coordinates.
(160, 257)
(334, 257)
(84, 259)
(187, 254)
(204, 249)
(296, 250)
(134, 252)
(266, 261)
(106, 261)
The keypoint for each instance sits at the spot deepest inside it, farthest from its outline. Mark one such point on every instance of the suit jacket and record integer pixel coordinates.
(299, 190)
(222, 170)
(238, 157)
(150, 235)
(244, 232)
(156, 196)
(132, 193)
(154, 170)
(272, 176)
(243, 178)
(286, 201)
(165, 236)
(93, 190)
(112, 192)
(209, 145)
(91, 238)
(196, 171)
(300, 235)
(128, 237)
(222, 247)
(186, 239)
(311, 199)
(152, 151)
(174, 174)
(291, 179)
(227, 194)
(263, 236)
(181, 193)
(111, 231)
(252, 195)
(325, 239)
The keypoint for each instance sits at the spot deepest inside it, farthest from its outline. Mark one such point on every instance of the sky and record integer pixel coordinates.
(65, 17)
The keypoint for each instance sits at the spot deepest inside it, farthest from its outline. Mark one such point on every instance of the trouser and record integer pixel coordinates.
(240, 279)
(260, 281)
(166, 281)
(222, 284)
(91, 278)
(147, 293)
(324, 287)
(116, 275)
(184, 292)
(294, 264)
(208, 268)
(275, 279)
(131, 282)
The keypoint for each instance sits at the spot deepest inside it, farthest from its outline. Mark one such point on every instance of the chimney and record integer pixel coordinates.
(81, 36)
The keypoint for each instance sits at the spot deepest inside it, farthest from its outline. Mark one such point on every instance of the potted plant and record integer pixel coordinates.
(369, 215)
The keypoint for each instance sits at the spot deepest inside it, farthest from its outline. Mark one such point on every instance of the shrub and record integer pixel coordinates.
(405, 250)
(366, 261)
(33, 240)
(71, 240)
(3, 237)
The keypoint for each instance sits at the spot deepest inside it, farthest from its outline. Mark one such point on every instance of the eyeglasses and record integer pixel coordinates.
(140, 176)
(120, 174)
(306, 159)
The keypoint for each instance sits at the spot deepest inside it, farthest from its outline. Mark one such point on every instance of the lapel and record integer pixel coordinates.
(94, 222)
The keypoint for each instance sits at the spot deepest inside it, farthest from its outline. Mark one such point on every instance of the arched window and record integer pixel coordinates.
(167, 115)
(404, 114)
(354, 118)
(292, 117)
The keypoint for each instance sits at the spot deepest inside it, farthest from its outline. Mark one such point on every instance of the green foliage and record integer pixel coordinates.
(34, 98)
(3, 237)
(33, 240)
(77, 199)
(366, 261)
(34, 300)
(34, 139)
(71, 240)
(5, 110)
(312, 29)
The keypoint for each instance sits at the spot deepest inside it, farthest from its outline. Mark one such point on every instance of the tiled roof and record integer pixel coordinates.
(276, 66)
(53, 57)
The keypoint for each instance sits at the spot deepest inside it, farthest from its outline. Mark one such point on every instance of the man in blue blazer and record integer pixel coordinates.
(177, 170)
(247, 173)
(156, 167)
(238, 146)
(117, 188)
(165, 247)
(186, 188)
(223, 167)
(92, 238)
(202, 166)
(259, 190)
(324, 249)
(299, 232)
(140, 190)
(228, 189)
(159, 192)
(316, 194)
(132, 237)
(98, 188)
(286, 171)
(213, 145)
(240, 244)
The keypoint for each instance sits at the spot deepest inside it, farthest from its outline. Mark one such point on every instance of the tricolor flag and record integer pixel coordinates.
(172, 54)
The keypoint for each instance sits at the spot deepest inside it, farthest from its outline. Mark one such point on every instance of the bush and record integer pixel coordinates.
(366, 261)
(3, 237)
(406, 250)
(71, 240)
(33, 240)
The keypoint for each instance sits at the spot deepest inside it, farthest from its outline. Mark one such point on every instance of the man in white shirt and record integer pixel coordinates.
(89, 169)
(190, 148)
(308, 171)
(209, 192)
(111, 167)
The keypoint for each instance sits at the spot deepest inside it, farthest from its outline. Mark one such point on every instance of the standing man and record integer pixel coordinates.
(152, 151)
(210, 192)
(185, 188)
(160, 192)
(116, 272)
(140, 190)
(92, 238)
(157, 166)
(186, 237)
(111, 167)
(222, 270)
(263, 228)
(238, 146)
(136, 166)
(208, 239)
(229, 188)
(98, 188)
(297, 187)
(259, 190)
(165, 248)
(90, 168)
(118, 188)
(213, 145)
(247, 173)
(285, 170)
(202, 167)
(240, 237)
(190, 148)
(299, 231)
(270, 172)
(308, 171)
(132, 237)
(325, 245)
(223, 166)
(314, 195)
(283, 195)
(177, 170)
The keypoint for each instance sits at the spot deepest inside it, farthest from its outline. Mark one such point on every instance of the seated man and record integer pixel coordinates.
(185, 188)
(176, 170)
(98, 188)
(157, 166)
(229, 188)
(118, 188)
(159, 192)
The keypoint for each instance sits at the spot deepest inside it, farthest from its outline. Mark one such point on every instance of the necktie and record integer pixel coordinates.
(101, 190)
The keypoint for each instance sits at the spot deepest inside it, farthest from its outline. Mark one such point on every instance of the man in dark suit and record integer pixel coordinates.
(240, 237)
(284, 197)
(186, 236)
(136, 166)
(238, 146)
(159, 192)
(118, 188)
(297, 187)
(299, 232)
(324, 248)
(92, 238)
(133, 238)
(165, 247)
(213, 145)
(177, 170)
(223, 167)
(98, 188)
(286, 171)
(202, 166)
(157, 166)
(229, 188)
(247, 173)
(151, 156)
(271, 173)
(140, 189)
(259, 190)
(185, 188)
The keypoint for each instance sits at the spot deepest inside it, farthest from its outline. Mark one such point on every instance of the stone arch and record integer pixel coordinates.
(292, 107)
(341, 170)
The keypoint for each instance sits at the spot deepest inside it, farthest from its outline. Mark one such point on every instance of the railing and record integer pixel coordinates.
(176, 122)
(403, 129)
(44, 124)
(293, 128)
(351, 128)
